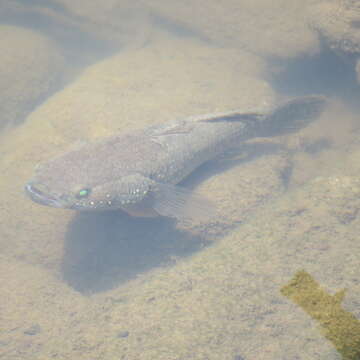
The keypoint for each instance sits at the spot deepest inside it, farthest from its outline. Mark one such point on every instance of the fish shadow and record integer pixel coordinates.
(104, 250)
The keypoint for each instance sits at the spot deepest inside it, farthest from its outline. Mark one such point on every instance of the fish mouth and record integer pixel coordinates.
(38, 194)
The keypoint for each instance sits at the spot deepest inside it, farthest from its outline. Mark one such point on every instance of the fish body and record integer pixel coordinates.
(139, 172)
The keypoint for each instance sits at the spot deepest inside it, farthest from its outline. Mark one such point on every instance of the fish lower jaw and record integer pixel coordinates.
(41, 197)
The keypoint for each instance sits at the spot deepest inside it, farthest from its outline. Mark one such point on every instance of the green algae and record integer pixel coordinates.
(337, 325)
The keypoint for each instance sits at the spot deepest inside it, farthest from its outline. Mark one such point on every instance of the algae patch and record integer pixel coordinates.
(338, 325)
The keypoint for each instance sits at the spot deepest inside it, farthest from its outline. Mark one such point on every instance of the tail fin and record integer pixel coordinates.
(293, 115)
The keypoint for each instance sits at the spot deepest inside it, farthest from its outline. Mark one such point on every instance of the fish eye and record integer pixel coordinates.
(83, 193)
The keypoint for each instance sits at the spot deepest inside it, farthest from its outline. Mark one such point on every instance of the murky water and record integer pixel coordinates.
(275, 276)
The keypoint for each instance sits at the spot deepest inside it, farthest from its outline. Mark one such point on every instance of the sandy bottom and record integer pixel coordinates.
(275, 276)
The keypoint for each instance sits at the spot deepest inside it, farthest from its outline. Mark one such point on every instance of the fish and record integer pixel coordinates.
(139, 172)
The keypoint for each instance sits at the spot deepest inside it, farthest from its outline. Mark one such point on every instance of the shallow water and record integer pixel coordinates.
(275, 276)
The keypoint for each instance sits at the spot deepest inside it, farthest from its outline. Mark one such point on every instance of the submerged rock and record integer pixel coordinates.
(30, 68)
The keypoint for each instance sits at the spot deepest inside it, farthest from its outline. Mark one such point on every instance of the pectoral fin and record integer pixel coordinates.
(178, 202)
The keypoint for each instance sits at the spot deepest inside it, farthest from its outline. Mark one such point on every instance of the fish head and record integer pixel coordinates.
(75, 182)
